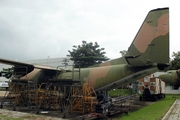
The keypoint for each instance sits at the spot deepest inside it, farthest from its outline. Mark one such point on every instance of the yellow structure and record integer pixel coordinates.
(84, 99)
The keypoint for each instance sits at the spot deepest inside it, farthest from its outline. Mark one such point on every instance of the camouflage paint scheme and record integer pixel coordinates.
(171, 77)
(148, 53)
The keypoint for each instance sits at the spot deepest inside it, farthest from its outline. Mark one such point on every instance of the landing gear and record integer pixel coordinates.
(104, 102)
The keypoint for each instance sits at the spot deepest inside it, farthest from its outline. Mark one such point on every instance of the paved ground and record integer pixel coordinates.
(24, 116)
(2, 93)
(174, 111)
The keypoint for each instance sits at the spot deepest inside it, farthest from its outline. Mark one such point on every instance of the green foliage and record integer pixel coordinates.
(123, 52)
(175, 62)
(87, 54)
(155, 111)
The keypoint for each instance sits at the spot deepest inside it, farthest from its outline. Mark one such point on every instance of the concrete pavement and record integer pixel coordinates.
(174, 112)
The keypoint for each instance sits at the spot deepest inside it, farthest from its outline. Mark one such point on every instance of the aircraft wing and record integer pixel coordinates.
(27, 65)
(14, 63)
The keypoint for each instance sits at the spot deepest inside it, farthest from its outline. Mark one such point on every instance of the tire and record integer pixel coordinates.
(155, 98)
(163, 95)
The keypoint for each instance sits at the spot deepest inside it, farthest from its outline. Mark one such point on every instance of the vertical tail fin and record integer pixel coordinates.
(151, 44)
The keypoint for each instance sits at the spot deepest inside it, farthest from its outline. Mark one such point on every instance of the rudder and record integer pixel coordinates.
(151, 44)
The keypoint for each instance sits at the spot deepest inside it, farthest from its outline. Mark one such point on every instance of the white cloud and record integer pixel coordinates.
(35, 30)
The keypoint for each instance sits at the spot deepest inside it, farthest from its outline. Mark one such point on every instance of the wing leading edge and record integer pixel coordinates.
(30, 67)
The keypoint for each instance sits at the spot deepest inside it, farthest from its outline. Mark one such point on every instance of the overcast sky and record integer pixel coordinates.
(36, 29)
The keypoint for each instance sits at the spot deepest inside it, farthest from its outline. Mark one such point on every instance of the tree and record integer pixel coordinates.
(87, 54)
(175, 62)
(123, 52)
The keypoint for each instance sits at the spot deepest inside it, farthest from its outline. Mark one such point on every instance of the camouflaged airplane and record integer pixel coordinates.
(171, 77)
(148, 53)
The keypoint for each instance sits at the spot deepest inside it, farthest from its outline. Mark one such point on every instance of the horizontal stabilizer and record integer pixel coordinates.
(134, 61)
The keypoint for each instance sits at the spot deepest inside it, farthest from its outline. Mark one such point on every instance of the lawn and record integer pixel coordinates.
(156, 111)
(8, 118)
(119, 92)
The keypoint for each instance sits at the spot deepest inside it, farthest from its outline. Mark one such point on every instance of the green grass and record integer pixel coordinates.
(2, 89)
(156, 111)
(118, 92)
(8, 118)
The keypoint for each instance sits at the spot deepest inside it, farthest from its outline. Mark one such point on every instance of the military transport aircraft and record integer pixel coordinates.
(148, 53)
